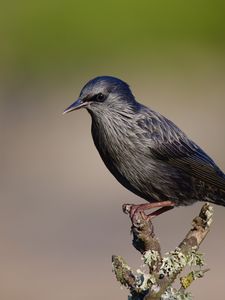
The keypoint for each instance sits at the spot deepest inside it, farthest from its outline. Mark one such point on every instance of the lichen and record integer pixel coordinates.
(144, 281)
(150, 258)
(187, 280)
(195, 258)
(120, 268)
(173, 294)
(173, 262)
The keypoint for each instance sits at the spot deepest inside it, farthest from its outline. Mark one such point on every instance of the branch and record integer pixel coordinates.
(163, 271)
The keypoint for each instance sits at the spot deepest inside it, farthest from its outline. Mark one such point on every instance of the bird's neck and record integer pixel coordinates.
(111, 126)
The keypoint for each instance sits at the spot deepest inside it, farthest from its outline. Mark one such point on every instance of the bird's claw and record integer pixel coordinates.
(127, 208)
(133, 210)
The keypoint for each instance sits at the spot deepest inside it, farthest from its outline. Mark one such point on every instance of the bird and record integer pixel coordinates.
(146, 152)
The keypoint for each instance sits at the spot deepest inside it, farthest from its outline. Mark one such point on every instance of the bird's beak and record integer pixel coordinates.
(76, 105)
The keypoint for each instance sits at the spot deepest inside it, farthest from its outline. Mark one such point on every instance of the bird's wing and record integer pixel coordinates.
(170, 144)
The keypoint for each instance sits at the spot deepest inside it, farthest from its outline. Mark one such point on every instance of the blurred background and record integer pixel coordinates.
(60, 209)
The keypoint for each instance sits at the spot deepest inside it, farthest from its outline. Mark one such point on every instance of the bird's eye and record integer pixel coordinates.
(100, 97)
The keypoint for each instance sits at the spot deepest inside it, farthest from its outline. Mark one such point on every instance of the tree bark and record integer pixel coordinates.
(157, 283)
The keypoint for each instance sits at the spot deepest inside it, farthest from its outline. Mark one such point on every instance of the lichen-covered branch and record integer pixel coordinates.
(158, 282)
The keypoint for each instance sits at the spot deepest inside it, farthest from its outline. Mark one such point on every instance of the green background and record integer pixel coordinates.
(69, 36)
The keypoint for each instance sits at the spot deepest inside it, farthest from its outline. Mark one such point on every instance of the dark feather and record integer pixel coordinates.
(174, 147)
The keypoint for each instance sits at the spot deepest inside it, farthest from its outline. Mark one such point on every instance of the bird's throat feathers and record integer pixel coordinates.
(113, 125)
(113, 118)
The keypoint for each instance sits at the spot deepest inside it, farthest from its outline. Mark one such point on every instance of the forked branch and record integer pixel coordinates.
(157, 282)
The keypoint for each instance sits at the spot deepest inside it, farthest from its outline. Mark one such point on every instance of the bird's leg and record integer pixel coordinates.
(159, 211)
(134, 209)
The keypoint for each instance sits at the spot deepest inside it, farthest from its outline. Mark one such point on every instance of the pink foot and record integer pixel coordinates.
(134, 209)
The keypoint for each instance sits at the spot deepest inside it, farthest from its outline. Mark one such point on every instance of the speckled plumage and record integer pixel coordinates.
(146, 152)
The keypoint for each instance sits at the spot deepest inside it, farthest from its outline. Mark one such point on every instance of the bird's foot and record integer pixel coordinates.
(135, 209)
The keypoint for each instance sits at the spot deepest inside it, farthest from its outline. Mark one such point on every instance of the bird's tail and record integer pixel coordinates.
(216, 196)
(220, 200)
(221, 193)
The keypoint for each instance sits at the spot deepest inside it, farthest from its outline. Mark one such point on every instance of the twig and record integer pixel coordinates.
(163, 271)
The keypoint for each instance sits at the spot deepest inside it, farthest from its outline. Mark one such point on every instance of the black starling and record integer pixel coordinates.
(146, 152)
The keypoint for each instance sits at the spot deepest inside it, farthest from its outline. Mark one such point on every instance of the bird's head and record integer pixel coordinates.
(104, 93)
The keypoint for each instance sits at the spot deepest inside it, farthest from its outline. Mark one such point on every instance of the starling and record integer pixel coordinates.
(147, 153)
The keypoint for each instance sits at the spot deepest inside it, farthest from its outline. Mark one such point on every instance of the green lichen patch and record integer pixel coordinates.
(173, 263)
(173, 294)
(123, 272)
(187, 280)
(151, 258)
(195, 258)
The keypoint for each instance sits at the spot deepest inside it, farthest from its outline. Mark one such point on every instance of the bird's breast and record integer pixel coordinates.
(125, 155)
